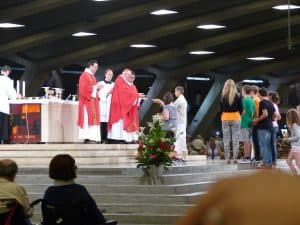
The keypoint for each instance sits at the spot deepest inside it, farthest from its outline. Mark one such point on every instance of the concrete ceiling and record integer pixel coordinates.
(253, 29)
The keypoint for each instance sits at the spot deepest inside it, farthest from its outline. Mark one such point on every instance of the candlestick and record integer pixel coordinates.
(18, 87)
(23, 88)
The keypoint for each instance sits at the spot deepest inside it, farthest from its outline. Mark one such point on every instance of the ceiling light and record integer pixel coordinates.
(261, 58)
(10, 25)
(83, 34)
(163, 12)
(201, 53)
(286, 7)
(198, 78)
(210, 26)
(253, 81)
(142, 46)
(101, 0)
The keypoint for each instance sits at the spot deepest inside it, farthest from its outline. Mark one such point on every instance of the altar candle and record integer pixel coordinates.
(18, 87)
(23, 88)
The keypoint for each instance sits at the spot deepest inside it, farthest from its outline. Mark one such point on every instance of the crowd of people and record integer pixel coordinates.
(252, 117)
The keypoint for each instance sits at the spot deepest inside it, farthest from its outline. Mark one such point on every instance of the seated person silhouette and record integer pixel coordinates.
(68, 203)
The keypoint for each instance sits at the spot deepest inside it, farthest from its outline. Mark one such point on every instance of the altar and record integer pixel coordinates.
(43, 121)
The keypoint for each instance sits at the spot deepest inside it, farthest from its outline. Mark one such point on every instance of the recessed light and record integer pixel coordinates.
(198, 78)
(210, 26)
(163, 12)
(83, 34)
(142, 46)
(260, 58)
(286, 7)
(253, 81)
(201, 52)
(10, 25)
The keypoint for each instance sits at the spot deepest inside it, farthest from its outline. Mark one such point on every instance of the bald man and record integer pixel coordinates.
(11, 190)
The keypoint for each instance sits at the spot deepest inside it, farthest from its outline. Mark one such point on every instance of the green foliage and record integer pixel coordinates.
(155, 146)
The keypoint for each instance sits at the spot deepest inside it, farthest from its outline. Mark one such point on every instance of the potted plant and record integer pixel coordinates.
(155, 147)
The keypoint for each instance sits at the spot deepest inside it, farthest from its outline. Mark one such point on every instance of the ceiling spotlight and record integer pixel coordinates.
(142, 46)
(210, 26)
(201, 53)
(261, 58)
(10, 25)
(286, 7)
(83, 34)
(163, 12)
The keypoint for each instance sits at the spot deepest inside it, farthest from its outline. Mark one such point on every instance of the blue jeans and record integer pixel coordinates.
(264, 140)
(274, 143)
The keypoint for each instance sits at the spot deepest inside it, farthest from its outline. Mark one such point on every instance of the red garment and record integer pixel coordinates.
(86, 84)
(124, 105)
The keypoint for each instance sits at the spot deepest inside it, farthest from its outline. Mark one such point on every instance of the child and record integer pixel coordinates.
(293, 122)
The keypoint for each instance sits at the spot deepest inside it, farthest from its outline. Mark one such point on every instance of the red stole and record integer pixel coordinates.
(86, 84)
(124, 105)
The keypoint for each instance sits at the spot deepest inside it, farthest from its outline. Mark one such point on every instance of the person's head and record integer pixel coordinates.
(292, 116)
(93, 66)
(168, 98)
(8, 169)
(254, 90)
(298, 108)
(62, 167)
(179, 90)
(229, 91)
(126, 73)
(263, 92)
(6, 70)
(273, 97)
(246, 90)
(132, 76)
(108, 74)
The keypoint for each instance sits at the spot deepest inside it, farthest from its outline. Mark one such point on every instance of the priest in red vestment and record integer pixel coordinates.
(123, 124)
(88, 109)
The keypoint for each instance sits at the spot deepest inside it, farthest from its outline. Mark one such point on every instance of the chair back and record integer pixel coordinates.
(64, 213)
(11, 212)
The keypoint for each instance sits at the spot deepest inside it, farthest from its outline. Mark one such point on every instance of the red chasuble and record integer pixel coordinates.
(86, 83)
(124, 105)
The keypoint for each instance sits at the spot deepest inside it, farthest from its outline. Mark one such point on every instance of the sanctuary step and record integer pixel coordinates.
(39, 155)
(121, 190)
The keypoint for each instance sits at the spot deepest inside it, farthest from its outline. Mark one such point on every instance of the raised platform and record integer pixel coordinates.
(121, 190)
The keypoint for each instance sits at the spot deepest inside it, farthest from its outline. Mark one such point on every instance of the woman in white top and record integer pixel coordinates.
(105, 101)
(7, 92)
(293, 122)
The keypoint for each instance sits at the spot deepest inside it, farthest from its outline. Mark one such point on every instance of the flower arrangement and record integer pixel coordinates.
(155, 146)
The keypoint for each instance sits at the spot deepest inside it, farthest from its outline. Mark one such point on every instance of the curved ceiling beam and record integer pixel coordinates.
(32, 8)
(159, 32)
(114, 17)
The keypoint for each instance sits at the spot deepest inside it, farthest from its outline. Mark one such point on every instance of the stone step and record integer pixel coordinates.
(130, 189)
(136, 180)
(137, 198)
(126, 218)
(139, 208)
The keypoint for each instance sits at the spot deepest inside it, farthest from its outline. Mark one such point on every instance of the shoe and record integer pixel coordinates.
(235, 161)
(228, 161)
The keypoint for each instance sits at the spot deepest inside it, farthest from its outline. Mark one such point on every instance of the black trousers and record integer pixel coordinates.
(4, 127)
(255, 143)
(103, 129)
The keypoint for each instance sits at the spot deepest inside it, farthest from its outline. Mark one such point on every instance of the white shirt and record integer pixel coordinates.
(105, 100)
(181, 109)
(7, 92)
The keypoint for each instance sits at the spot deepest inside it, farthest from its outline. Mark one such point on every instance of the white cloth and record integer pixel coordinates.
(181, 112)
(7, 92)
(105, 100)
(118, 133)
(180, 143)
(89, 132)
